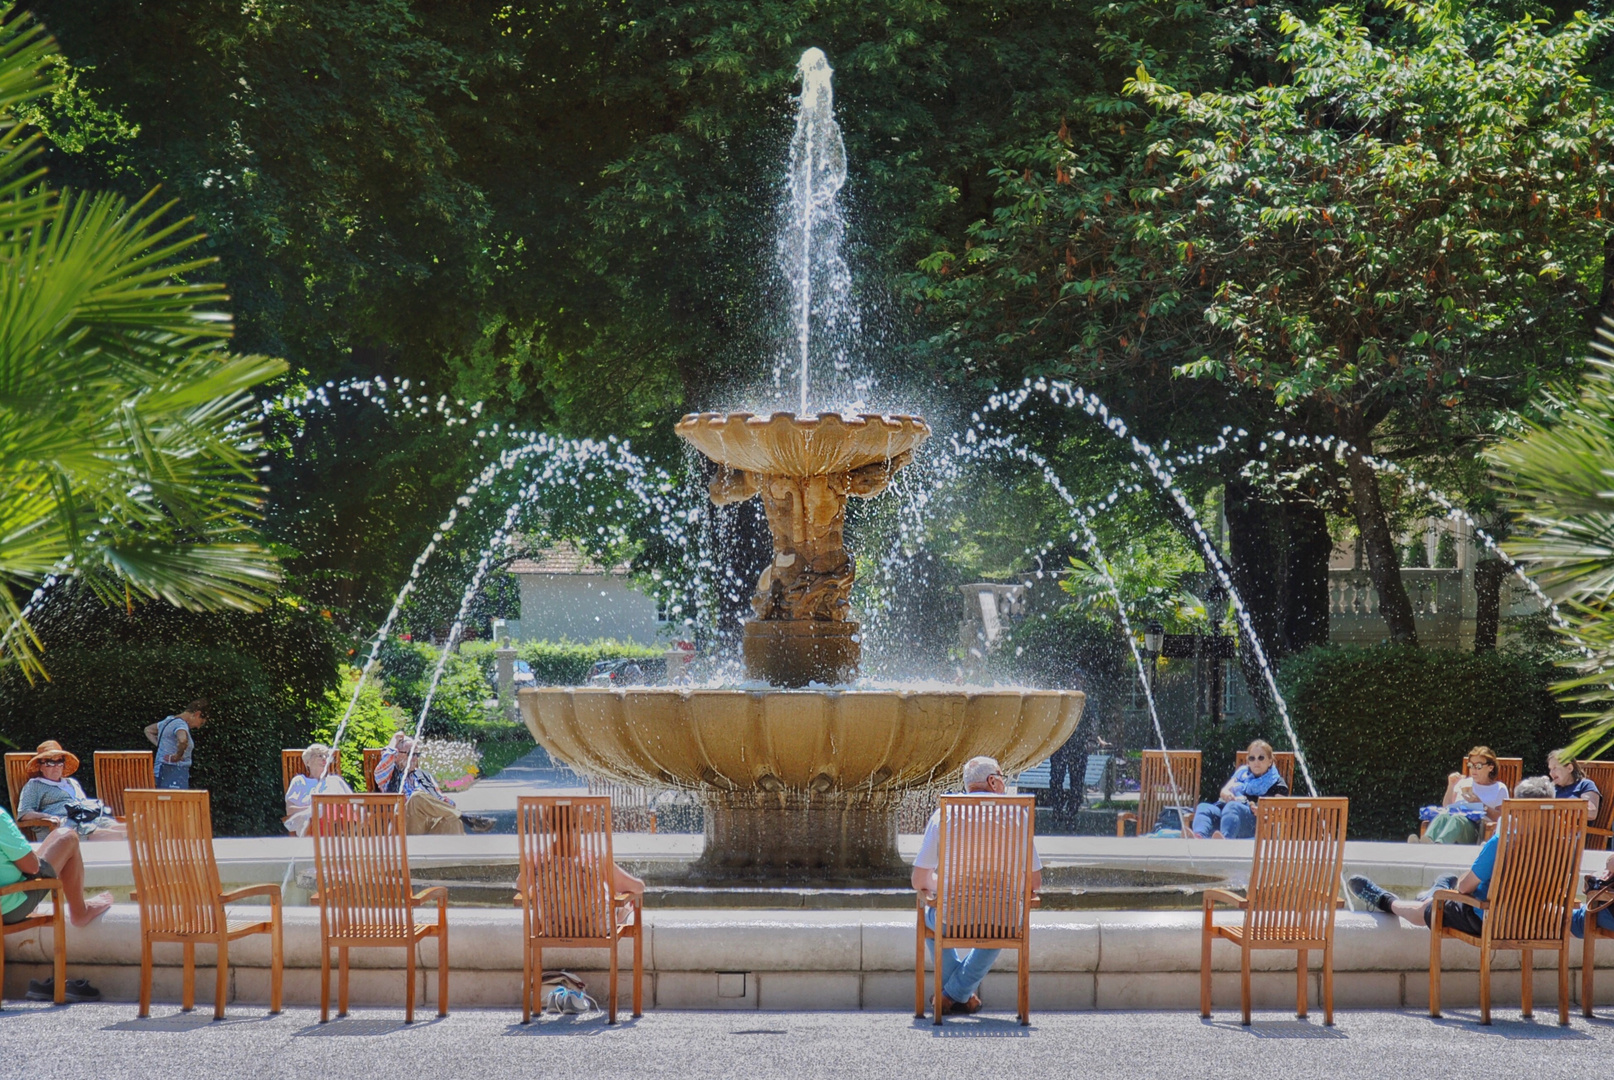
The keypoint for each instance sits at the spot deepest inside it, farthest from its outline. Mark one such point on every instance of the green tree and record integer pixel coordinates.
(1388, 244)
(127, 440)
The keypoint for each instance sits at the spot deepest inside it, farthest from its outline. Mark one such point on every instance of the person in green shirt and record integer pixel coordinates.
(57, 857)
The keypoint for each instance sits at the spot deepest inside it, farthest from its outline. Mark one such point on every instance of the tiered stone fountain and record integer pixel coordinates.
(799, 784)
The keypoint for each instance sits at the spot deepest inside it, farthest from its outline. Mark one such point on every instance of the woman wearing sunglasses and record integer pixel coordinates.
(1232, 817)
(1472, 796)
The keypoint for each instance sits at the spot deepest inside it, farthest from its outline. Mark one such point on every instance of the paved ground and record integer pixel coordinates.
(529, 775)
(105, 1041)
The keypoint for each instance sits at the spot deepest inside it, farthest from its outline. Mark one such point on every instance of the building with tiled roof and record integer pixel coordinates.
(566, 594)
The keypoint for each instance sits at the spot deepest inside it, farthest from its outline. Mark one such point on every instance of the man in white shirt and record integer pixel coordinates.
(962, 975)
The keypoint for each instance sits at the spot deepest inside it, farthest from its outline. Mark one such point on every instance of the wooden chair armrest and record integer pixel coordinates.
(1224, 896)
(271, 891)
(1036, 900)
(1440, 895)
(32, 885)
(431, 892)
(636, 899)
(1595, 831)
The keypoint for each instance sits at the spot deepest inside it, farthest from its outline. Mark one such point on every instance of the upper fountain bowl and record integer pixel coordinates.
(784, 444)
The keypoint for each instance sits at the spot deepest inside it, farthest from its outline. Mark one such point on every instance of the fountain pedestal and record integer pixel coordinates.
(831, 837)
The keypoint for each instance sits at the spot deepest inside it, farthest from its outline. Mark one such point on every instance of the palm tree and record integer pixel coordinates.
(1559, 479)
(128, 440)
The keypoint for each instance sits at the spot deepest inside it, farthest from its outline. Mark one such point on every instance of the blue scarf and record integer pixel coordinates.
(1252, 786)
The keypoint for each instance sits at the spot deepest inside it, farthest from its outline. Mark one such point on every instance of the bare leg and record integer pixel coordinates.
(624, 882)
(1410, 910)
(60, 849)
(113, 831)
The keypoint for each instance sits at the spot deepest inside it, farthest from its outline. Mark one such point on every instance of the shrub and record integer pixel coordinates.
(458, 704)
(566, 663)
(103, 698)
(1385, 725)
(373, 723)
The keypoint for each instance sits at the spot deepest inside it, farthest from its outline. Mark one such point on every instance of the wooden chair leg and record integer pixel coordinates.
(526, 979)
(145, 976)
(409, 986)
(442, 963)
(1588, 958)
(1328, 982)
(1025, 982)
(1527, 989)
(919, 970)
(1485, 985)
(324, 981)
(341, 978)
(58, 926)
(277, 964)
(610, 982)
(638, 963)
(935, 1002)
(1300, 983)
(221, 978)
(537, 977)
(1244, 980)
(188, 991)
(1563, 985)
(1205, 971)
(1434, 968)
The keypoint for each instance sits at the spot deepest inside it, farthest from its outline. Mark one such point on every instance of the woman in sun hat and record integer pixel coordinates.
(53, 799)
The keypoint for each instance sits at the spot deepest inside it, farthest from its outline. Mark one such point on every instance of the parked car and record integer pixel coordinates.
(628, 671)
(524, 675)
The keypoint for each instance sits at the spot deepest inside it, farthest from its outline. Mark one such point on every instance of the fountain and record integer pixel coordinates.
(801, 772)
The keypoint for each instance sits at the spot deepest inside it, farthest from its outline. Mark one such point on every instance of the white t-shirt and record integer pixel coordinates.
(927, 858)
(1491, 795)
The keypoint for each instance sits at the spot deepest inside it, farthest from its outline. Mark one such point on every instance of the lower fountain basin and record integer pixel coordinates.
(798, 784)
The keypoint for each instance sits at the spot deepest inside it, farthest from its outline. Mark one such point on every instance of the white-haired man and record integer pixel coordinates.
(962, 974)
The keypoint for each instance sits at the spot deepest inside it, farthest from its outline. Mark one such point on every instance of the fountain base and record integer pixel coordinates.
(833, 837)
(795, 652)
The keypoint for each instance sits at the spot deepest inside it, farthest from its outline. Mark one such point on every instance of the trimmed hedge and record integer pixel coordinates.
(103, 698)
(1385, 725)
(566, 663)
(457, 705)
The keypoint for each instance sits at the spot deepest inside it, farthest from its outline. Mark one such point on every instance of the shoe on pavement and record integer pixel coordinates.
(1370, 894)
(477, 822)
(75, 990)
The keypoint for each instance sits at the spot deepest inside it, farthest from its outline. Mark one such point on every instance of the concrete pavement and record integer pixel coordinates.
(39, 1042)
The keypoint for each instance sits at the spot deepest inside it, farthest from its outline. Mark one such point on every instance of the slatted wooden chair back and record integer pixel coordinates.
(16, 776)
(984, 859)
(1160, 788)
(372, 758)
(171, 852)
(1282, 760)
(1532, 892)
(116, 771)
(361, 863)
(1601, 773)
(292, 764)
(566, 859)
(1294, 880)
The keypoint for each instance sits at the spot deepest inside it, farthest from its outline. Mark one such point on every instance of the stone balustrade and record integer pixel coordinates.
(820, 960)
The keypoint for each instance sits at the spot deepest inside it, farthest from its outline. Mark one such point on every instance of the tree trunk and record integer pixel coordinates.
(1374, 527)
(1305, 608)
(1488, 575)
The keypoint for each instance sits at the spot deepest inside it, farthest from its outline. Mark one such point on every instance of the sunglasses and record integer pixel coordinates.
(51, 763)
(1256, 757)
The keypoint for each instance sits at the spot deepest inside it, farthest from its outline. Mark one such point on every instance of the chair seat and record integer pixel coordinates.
(32, 922)
(382, 933)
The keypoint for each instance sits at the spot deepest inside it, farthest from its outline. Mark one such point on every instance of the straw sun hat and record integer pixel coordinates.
(50, 748)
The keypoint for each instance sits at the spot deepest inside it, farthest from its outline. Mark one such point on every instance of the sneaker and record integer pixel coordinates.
(75, 990)
(477, 823)
(563, 999)
(1370, 894)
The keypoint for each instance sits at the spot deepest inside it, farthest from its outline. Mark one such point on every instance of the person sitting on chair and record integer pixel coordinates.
(53, 799)
(1569, 782)
(1232, 817)
(962, 975)
(427, 810)
(1475, 882)
(304, 786)
(1469, 800)
(57, 857)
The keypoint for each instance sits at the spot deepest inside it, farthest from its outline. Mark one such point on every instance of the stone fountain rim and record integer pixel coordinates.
(757, 420)
(818, 691)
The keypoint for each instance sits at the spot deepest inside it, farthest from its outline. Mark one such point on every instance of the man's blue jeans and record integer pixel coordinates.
(1577, 921)
(961, 975)
(1236, 820)
(170, 775)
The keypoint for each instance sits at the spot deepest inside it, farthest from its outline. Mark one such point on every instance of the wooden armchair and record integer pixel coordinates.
(116, 771)
(1160, 788)
(53, 920)
(372, 758)
(1282, 760)
(566, 897)
(1529, 902)
(983, 896)
(16, 777)
(177, 886)
(361, 865)
(291, 764)
(1600, 832)
(1293, 894)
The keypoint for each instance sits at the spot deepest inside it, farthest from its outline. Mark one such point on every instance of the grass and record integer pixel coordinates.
(500, 745)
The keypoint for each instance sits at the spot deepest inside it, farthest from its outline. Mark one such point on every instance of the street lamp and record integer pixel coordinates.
(1154, 637)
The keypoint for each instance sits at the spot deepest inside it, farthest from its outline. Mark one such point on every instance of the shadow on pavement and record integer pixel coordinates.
(1280, 1029)
(183, 1021)
(1537, 1030)
(363, 1025)
(976, 1027)
(572, 1024)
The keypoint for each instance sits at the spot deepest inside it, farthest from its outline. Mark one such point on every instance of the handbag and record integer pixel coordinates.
(83, 811)
(1599, 894)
